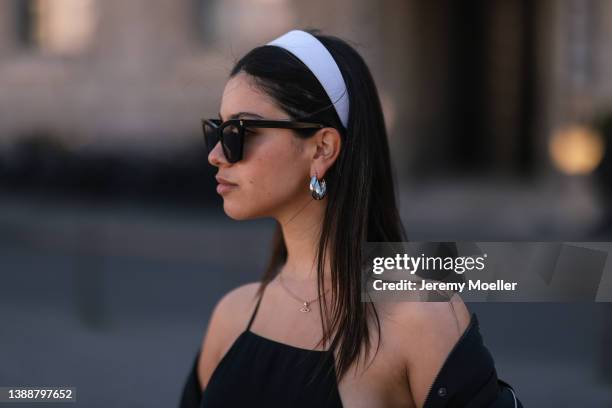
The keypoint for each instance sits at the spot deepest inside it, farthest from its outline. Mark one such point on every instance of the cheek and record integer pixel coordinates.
(274, 175)
(276, 172)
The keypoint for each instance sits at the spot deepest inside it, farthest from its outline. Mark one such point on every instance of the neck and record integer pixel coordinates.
(301, 232)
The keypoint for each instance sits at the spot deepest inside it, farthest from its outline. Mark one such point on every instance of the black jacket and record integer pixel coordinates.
(468, 378)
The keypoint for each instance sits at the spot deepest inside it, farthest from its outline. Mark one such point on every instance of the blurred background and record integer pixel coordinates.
(113, 243)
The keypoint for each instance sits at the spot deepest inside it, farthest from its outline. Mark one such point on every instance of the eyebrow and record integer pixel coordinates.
(239, 114)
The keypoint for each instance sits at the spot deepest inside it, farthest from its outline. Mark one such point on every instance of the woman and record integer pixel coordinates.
(301, 138)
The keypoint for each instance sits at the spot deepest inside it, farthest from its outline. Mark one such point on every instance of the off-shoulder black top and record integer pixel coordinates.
(260, 372)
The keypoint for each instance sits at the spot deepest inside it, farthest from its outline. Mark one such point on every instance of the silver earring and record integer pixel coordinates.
(318, 189)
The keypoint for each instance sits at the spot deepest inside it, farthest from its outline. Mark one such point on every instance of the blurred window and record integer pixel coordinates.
(252, 21)
(205, 20)
(55, 26)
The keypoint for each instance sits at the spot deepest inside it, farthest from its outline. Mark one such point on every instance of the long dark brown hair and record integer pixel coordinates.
(361, 203)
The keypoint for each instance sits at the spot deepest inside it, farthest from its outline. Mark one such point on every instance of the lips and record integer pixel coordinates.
(225, 185)
(221, 180)
(224, 188)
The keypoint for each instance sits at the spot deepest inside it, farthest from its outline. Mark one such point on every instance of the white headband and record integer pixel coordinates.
(307, 48)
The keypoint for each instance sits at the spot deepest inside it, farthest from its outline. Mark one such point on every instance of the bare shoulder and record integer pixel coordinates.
(232, 303)
(417, 318)
(424, 334)
(227, 320)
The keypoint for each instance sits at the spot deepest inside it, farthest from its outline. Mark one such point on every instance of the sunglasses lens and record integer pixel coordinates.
(211, 136)
(233, 140)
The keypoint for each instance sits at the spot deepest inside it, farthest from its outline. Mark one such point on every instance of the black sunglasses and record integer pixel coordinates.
(231, 133)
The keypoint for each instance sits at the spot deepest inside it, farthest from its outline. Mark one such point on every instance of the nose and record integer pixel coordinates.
(216, 157)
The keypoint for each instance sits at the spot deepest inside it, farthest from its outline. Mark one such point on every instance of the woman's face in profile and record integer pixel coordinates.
(274, 173)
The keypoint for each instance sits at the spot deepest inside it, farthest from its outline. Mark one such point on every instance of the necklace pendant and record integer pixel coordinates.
(305, 308)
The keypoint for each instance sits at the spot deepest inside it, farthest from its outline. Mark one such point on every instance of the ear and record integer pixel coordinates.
(327, 144)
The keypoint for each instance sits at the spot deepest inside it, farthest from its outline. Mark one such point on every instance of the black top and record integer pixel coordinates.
(257, 371)
(260, 372)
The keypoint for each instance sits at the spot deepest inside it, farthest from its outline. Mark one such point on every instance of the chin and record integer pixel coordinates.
(238, 213)
(239, 209)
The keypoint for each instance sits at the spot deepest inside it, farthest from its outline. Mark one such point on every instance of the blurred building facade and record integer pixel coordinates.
(478, 85)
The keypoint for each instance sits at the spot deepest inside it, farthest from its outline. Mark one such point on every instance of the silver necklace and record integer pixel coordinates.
(305, 303)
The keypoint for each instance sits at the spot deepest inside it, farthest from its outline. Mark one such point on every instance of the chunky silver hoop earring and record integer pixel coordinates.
(318, 188)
